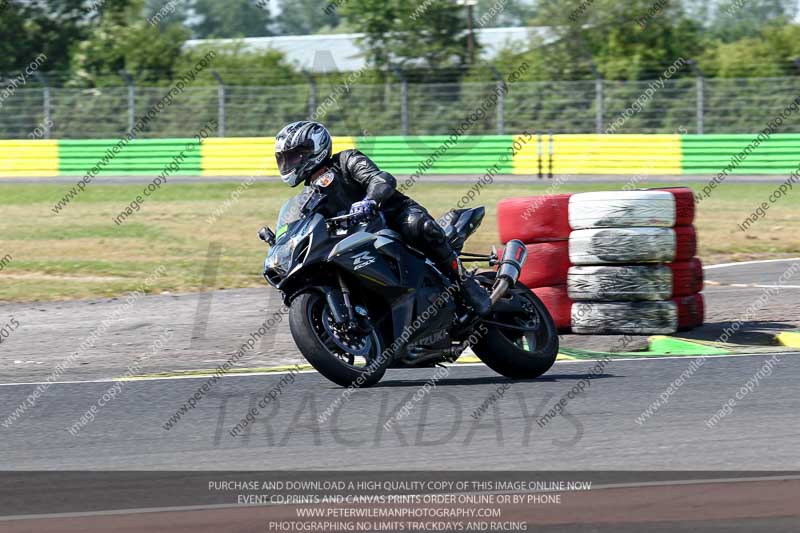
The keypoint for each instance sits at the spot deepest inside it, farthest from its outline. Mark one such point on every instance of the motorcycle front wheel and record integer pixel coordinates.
(349, 359)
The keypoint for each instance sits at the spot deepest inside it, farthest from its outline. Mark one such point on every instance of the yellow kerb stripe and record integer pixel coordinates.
(249, 156)
(603, 154)
(28, 158)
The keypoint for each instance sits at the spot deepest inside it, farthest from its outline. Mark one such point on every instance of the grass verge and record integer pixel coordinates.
(81, 253)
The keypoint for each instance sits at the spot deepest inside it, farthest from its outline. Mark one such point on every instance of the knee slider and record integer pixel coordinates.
(432, 231)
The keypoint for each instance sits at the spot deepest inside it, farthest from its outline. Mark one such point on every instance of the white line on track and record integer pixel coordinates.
(259, 374)
(726, 265)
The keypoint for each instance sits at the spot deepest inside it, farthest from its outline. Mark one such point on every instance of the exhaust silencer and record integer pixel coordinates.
(509, 268)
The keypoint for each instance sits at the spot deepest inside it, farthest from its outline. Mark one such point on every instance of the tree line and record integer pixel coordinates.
(89, 42)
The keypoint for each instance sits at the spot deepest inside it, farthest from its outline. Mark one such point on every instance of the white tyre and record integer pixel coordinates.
(622, 209)
(619, 283)
(604, 246)
(621, 318)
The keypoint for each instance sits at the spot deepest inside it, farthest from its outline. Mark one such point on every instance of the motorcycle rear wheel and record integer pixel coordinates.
(513, 353)
(346, 359)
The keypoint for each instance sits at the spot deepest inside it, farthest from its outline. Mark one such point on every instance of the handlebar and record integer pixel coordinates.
(345, 220)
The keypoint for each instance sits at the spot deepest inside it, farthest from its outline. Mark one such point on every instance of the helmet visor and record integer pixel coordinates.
(291, 160)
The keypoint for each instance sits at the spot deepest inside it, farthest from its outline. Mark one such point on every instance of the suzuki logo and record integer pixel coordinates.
(361, 260)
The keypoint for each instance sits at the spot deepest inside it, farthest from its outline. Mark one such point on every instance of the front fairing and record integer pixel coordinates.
(293, 247)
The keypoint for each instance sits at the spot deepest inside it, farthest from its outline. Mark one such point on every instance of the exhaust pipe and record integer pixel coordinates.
(509, 269)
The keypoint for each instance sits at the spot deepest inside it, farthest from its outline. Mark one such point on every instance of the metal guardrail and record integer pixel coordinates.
(680, 105)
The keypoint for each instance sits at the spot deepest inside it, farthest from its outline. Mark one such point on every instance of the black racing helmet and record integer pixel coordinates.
(300, 149)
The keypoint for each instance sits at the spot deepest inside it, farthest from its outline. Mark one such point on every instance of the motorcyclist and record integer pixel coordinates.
(351, 181)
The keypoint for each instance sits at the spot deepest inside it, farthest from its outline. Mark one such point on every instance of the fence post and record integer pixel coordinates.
(131, 98)
(403, 100)
(220, 103)
(598, 99)
(312, 95)
(701, 86)
(598, 90)
(45, 102)
(501, 89)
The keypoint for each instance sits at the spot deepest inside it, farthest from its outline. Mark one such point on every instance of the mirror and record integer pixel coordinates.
(267, 235)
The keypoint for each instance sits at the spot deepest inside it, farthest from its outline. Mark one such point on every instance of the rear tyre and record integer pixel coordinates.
(346, 359)
(513, 353)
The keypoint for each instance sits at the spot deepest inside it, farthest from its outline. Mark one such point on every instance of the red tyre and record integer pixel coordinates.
(547, 264)
(534, 218)
(684, 205)
(687, 277)
(691, 311)
(685, 243)
(557, 302)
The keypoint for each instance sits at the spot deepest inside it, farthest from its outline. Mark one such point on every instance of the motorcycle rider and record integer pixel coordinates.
(351, 181)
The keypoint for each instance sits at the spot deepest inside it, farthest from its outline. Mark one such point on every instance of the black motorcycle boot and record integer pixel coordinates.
(472, 293)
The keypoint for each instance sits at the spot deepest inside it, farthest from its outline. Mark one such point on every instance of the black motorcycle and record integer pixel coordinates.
(361, 300)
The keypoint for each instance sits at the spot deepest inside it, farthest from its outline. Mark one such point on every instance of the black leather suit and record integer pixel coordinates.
(356, 177)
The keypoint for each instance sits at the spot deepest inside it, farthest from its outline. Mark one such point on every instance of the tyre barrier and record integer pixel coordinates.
(687, 277)
(684, 204)
(609, 246)
(558, 303)
(619, 283)
(691, 311)
(611, 262)
(623, 318)
(547, 264)
(622, 209)
(685, 243)
(534, 219)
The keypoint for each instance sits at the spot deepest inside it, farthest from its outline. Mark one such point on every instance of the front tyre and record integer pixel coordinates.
(346, 358)
(529, 346)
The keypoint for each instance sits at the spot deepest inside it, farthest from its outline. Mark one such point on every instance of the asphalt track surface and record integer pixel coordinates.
(598, 429)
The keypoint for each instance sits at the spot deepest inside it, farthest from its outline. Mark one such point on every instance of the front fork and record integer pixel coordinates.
(341, 305)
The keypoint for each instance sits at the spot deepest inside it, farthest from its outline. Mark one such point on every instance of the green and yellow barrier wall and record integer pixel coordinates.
(512, 154)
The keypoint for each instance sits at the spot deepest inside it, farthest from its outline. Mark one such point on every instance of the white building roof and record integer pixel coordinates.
(340, 51)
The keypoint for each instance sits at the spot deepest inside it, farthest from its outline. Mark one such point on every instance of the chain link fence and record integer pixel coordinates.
(681, 105)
